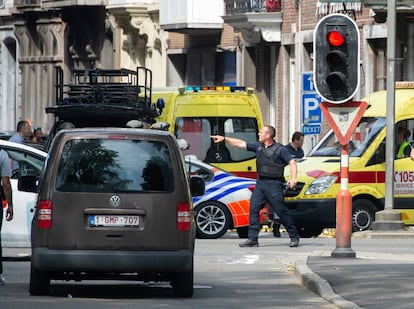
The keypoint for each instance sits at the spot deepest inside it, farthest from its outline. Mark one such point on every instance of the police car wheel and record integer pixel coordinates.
(212, 219)
(363, 215)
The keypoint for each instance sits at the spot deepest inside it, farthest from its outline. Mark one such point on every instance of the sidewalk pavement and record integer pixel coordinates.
(381, 275)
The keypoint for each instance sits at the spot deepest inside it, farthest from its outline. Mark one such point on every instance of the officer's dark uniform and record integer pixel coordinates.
(296, 154)
(270, 164)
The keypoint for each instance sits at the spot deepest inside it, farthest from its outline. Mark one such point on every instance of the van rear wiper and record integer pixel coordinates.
(116, 190)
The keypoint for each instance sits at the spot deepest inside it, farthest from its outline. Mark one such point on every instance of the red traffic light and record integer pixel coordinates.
(336, 58)
(335, 38)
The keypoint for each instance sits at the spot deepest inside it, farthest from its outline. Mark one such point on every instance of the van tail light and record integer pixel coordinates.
(44, 215)
(183, 217)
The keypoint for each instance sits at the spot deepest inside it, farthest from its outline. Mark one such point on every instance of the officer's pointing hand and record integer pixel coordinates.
(217, 138)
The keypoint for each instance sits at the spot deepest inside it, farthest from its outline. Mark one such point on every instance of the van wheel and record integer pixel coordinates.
(39, 282)
(183, 283)
(212, 220)
(363, 215)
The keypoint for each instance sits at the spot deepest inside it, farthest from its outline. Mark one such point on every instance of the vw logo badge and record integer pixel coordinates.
(115, 200)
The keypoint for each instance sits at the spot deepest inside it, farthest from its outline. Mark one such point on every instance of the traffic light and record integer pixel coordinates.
(336, 58)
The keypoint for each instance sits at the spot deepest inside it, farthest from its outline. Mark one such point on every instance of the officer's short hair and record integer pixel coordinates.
(297, 135)
(271, 130)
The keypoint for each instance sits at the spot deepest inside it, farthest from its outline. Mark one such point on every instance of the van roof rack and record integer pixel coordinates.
(92, 90)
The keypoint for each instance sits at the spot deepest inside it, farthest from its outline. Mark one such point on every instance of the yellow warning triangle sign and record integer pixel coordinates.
(344, 118)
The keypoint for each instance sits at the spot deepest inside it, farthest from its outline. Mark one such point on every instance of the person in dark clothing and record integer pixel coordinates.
(295, 146)
(295, 149)
(271, 158)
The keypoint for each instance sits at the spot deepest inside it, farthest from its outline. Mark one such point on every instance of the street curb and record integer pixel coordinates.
(319, 286)
(398, 234)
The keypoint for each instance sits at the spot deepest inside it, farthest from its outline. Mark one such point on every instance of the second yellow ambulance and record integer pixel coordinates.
(313, 204)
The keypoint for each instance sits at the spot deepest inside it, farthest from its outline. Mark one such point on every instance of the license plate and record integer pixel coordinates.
(114, 221)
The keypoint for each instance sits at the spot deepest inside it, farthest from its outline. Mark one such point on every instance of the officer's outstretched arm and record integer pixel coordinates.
(236, 142)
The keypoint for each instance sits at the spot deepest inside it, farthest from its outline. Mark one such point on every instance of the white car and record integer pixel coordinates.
(225, 204)
(16, 233)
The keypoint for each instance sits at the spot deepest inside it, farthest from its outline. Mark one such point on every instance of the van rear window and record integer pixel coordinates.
(97, 165)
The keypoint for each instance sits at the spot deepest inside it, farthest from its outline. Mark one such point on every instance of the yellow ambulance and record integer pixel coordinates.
(313, 203)
(195, 113)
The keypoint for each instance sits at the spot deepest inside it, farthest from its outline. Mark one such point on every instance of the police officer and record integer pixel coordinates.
(271, 158)
(295, 146)
(295, 149)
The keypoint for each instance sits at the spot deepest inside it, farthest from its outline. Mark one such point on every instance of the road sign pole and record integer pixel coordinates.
(344, 119)
(344, 210)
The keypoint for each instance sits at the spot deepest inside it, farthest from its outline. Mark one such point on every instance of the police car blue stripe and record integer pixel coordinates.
(230, 182)
(216, 193)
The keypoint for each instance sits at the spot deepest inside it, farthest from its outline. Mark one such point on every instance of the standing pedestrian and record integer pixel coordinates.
(23, 133)
(271, 158)
(295, 146)
(6, 195)
(37, 135)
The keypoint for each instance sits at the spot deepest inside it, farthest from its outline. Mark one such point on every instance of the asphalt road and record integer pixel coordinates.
(226, 276)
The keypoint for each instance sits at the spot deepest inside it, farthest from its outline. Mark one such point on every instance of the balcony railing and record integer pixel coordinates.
(27, 5)
(234, 7)
(27, 2)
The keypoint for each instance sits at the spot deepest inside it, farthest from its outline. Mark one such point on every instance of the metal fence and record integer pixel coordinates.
(251, 6)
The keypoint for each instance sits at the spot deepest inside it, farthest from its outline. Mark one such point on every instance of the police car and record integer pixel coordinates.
(226, 202)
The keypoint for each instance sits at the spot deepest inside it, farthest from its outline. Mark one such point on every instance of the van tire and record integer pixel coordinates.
(363, 215)
(183, 283)
(39, 282)
(212, 219)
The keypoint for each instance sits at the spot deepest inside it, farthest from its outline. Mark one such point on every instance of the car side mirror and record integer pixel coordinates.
(197, 186)
(27, 183)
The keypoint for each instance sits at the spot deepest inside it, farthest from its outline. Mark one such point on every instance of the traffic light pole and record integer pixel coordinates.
(344, 210)
(389, 219)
